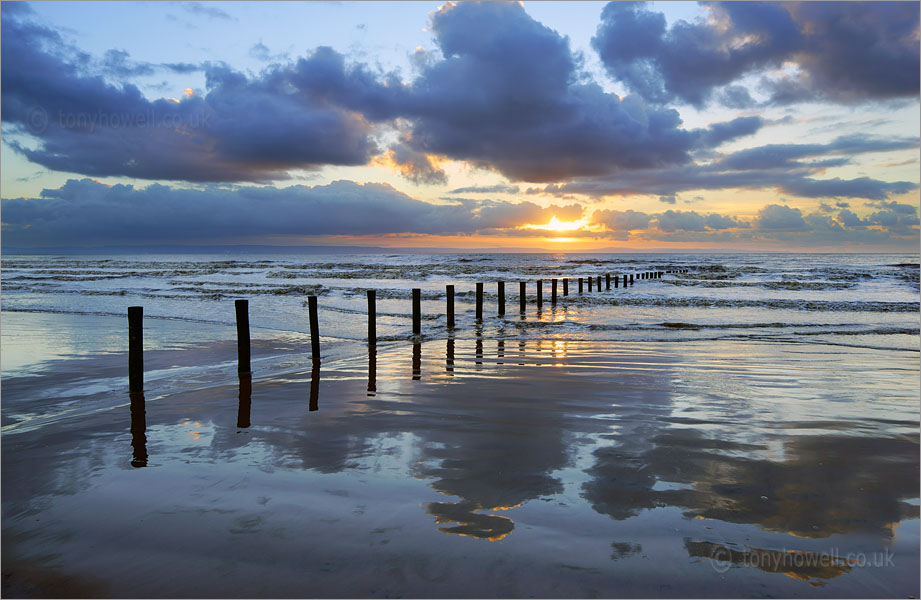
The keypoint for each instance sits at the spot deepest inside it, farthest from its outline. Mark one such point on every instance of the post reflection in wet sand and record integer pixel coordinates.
(372, 370)
(479, 347)
(138, 430)
(500, 351)
(246, 390)
(449, 356)
(417, 361)
(314, 387)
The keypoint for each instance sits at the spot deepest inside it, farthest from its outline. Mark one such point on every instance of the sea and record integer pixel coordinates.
(866, 301)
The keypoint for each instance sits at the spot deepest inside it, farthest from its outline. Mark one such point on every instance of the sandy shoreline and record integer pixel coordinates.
(480, 469)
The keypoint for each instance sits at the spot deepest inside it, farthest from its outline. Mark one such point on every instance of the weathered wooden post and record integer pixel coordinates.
(625, 281)
(245, 400)
(598, 283)
(136, 349)
(417, 311)
(449, 294)
(565, 286)
(553, 291)
(372, 370)
(501, 293)
(242, 308)
(314, 329)
(580, 286)
(372, 317)
(479, 302)
(314, 387)
(591, 281)
(522, 296)
(631, 278)
(616, 281)
(540, 293)
(607, 281)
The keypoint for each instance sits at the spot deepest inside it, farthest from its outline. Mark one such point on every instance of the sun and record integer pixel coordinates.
(557, 225)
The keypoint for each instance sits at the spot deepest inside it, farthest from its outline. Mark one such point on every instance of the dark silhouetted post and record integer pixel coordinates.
(138, 430)
(625, 281)
(242, 308)
(598, 283)
(501, 292)
(553, 291)
(607, 281)
(372, 370)
(565, 286)
(540, 293)
(631, 278)
(580, 286)
(591, 281)
(616, 281)
(417, 311)
(522, 296)
(314, 329)
(243, 408)
(314, 387)
(449, 292)
(479, 302)
(372, 317)
(136, 349)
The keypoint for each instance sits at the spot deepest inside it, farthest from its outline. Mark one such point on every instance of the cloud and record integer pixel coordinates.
(778, 217)
(667, 199)
(208, 10)
(487, 189)
(843, 51)
(243, 129)
(416, 166)
(87, 212)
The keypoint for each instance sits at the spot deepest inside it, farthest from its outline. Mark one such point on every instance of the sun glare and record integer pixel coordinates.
(557, 225)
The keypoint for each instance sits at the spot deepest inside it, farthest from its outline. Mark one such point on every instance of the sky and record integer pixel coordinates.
(563, 126)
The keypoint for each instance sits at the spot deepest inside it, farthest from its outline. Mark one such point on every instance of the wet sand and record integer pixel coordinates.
(479, 468)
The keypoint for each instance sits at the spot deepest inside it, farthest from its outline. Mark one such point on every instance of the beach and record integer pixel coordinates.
(462, 467)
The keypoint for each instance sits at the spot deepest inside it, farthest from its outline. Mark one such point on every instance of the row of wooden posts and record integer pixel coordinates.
(135, 318)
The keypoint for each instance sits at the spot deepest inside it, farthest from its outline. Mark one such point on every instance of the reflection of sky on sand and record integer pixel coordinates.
(613, 453)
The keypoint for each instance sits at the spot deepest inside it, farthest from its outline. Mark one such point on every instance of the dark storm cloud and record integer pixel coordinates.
(416, 166)
(86, 211)
(242, 130)
(507, 95)
(779, 166)
(845, 51)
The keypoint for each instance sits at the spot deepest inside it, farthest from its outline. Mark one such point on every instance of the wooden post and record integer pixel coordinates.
(580, 286)
(591, 281)
(631, 278)
(553, 291)
(136, 349)
(599, 283)
(449, 293)
(565, 286)
(372, 317)
(314, 402)
(417, 311)
(522, 296)
(314, 329)
(417, 361)
(501, 293)
(245, 400)
(540, 293)
(479, 302)
(607, 281)
(242, 308)
(138, 430)
(625, 281)
(616, 281)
